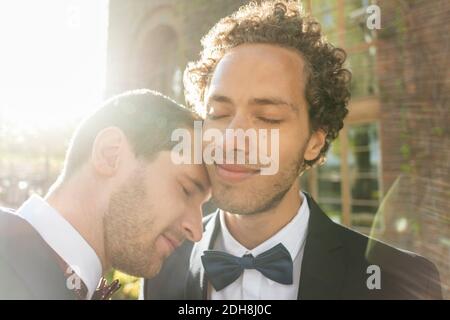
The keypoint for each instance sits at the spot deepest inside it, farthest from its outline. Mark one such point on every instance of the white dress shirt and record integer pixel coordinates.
(64, 239)
(252, 284)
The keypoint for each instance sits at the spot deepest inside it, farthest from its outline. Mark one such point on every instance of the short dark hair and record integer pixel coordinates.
(147, 118)
(282, 23)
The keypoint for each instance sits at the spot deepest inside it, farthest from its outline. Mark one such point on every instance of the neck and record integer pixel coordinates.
(78, 203)
(252, 230)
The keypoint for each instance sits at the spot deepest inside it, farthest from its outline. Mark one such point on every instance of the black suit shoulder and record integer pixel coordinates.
(28, 267)
(404, 274)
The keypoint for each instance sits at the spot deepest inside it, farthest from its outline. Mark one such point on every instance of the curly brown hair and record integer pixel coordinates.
(281, 23)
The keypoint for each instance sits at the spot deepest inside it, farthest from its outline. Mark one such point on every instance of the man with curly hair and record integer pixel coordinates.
(268, 66)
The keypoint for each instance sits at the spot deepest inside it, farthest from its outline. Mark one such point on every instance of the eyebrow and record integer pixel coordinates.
(220, 98)
(255, 101)
(273, 101)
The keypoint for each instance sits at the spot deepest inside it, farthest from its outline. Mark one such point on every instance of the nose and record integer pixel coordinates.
(240, 120)
(192, 226)
(240, 123)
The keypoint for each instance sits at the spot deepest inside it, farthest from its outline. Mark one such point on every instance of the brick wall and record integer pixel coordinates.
(413, 70)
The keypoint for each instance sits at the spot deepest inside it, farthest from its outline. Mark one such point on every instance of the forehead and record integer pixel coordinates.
(259, 68)
(193, 171)
(163, 167)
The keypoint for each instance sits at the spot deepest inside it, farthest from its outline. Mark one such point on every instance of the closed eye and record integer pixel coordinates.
(272, 121)
(215, 117)
(185, 191)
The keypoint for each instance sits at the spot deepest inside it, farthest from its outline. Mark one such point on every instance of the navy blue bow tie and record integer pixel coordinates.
(223, 269)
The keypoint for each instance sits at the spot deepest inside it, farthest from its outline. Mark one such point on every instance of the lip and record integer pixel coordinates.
(234, 172)
(173, 244)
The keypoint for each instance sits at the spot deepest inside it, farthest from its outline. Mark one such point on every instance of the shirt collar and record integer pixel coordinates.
(64, 239)
(292, 235)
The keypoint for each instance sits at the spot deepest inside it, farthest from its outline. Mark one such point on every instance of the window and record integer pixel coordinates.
(329, 185)
(348, 186)
(325, 12)
(363, 162)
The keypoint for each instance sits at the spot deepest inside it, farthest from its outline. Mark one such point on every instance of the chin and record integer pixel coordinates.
(229, 204)
(153, 268)
(239, 199)
(153, 264)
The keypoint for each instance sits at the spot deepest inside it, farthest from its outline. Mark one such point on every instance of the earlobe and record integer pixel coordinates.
(106, 151)
(315, 144)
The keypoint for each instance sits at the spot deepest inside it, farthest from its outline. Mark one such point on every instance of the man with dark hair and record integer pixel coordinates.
(120, 202)
(268, 66)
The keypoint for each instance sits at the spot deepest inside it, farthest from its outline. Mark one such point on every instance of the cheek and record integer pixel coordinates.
(220, 125)
(207, 125)
(291, 146)
(170, 207)
(151, 209)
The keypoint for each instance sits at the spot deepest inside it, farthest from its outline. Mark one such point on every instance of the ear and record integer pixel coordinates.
(315, 144)
(107, 150)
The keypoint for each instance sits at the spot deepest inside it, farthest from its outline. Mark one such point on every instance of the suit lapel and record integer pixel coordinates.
(197, 285)
(323, 264)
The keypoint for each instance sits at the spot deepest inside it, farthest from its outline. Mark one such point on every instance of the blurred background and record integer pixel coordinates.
(388, 173)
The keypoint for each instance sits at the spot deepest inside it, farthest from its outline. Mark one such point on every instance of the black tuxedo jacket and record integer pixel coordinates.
(28, 266)
(334, 266)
